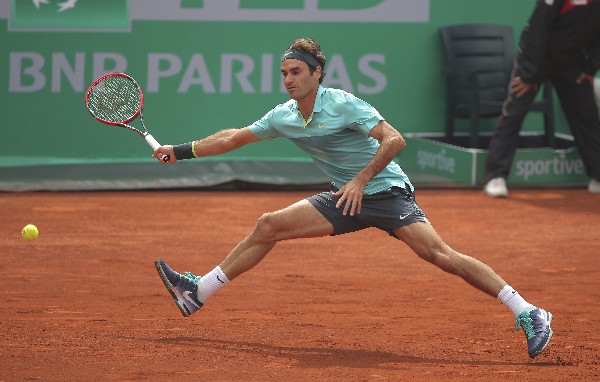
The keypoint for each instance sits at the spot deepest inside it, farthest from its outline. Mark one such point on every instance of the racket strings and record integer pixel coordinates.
(115, 99)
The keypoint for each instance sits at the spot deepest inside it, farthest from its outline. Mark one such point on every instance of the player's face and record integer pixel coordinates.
(298, 80)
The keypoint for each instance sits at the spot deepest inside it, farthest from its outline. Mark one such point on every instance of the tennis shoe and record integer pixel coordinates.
(496, 188)
(536, 325)
(594, 186)
(183, 288)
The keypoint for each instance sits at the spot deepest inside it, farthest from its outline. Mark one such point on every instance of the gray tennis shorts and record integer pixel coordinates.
(386, 210)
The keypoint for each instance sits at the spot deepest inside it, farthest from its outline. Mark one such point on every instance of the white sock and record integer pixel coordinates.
(513, 301)
(210, 283)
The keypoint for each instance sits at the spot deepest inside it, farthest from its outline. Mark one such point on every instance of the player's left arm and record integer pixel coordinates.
(390, 144)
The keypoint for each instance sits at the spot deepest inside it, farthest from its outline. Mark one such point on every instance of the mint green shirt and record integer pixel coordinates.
(336, 136)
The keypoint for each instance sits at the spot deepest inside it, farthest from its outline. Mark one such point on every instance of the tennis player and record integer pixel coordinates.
(353, 145)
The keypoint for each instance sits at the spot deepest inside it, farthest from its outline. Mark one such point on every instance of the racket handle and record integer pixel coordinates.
(154, 144)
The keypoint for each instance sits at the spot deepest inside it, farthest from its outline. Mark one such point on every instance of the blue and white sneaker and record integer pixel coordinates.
(536, 325)
(183, 288)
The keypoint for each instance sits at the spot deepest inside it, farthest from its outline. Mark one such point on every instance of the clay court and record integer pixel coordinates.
(84, 303)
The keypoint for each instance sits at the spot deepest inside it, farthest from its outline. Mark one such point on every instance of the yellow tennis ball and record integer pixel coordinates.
(29, 232)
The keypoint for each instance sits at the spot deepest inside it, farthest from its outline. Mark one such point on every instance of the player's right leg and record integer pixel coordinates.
(300, 220)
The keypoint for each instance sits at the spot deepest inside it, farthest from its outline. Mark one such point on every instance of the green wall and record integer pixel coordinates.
(394, 66)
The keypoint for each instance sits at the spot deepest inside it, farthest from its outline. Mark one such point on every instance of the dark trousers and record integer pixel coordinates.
(580, 109)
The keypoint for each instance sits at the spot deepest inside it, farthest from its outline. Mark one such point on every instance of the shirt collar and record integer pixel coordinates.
(318, 100)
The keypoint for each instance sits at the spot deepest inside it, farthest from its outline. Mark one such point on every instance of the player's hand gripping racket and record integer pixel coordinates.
(116, 99)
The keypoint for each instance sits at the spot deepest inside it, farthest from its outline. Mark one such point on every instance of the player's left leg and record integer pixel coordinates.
(422, 238)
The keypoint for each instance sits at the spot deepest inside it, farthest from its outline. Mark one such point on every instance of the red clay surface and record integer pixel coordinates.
(84, 302)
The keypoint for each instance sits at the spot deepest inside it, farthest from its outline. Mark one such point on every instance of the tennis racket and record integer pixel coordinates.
(116, 99)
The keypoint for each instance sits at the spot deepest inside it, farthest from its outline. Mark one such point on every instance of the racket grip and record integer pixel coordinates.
(154, 144)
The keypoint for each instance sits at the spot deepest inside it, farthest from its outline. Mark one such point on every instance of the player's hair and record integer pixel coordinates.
(311, 46)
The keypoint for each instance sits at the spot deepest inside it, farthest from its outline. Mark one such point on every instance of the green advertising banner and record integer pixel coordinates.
(436, 162)
(544, 166)
(207, 65)
(70, 15)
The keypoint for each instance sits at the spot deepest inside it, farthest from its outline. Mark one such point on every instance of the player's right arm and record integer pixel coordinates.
(224, 141)
(218, 143)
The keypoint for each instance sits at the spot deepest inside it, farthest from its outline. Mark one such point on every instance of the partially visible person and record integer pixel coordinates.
(560, 43)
